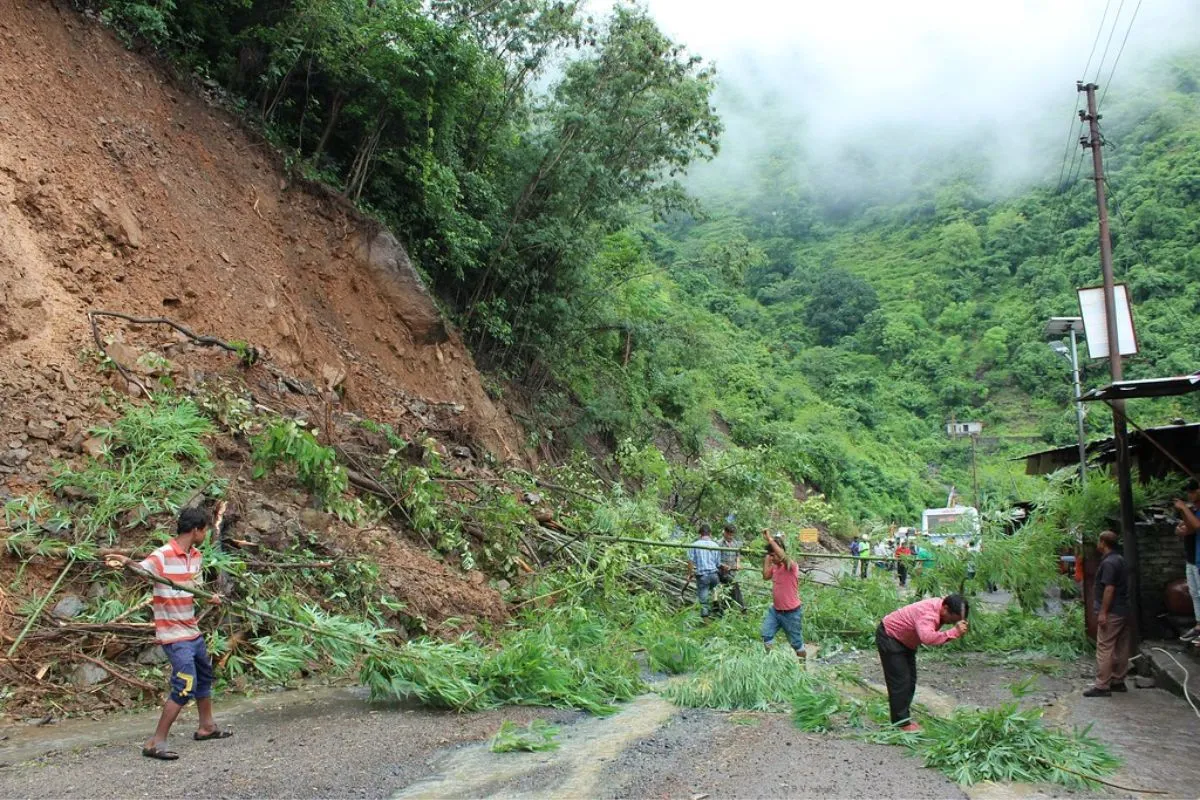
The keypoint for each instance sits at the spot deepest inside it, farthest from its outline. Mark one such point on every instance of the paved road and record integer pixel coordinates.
(333, 743)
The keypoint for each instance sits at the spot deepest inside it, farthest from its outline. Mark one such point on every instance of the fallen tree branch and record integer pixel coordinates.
(248, 609)
(247, 353)
(105, 627)
(1052, 765)
(38, 611)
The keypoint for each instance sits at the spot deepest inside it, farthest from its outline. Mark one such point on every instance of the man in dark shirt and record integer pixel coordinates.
(1186, 530)
(1114, 635)
(731, 563)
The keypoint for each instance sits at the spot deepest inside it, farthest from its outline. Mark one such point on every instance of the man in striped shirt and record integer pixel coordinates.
(176, 629)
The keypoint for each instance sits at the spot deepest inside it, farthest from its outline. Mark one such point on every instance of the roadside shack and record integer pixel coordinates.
(1154, 452)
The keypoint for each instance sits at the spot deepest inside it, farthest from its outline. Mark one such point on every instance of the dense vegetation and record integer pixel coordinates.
(529, 155)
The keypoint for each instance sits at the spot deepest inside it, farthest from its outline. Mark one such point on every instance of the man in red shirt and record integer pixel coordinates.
(784, 611)
(177, 631)
(899, 636)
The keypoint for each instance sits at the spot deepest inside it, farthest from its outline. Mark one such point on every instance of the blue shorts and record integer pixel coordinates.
(792, 623)
(191, 670)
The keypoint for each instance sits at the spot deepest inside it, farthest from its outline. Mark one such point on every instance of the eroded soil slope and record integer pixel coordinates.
(122, 191)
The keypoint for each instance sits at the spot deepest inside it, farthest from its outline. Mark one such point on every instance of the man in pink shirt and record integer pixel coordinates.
(784, 611)
(899, 636)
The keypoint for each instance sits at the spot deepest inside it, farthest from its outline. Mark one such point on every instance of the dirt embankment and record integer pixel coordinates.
(120, 190)
(123, 190)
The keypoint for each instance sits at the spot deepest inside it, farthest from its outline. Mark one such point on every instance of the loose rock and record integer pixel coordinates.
(47, 430)
(69, 607)
(261, 520)
(15, 457)
(94, 446)
(86, 675)
(315, 520)
(152, 655)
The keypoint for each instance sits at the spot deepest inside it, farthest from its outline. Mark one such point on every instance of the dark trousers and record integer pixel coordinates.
(899, 673)
(902, 572)
(727, 578)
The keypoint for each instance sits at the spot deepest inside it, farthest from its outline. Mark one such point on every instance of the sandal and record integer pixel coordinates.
(160, 752)
(213, 734)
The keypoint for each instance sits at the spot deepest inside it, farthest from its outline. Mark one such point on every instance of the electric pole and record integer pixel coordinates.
(1120, 432)
(975, 468)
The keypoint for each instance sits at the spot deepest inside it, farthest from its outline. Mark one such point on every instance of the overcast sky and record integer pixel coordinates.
(924, 71)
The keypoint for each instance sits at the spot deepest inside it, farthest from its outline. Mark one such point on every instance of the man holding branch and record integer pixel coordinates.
(176, 628)
(785, 611)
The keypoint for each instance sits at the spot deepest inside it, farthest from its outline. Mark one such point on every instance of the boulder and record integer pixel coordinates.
(403, 288)
(69, 607)
(118, 221)
(315, 520)
(15, 457)
(85, 675)
(152, 656)
(47, 430)
(261, 520)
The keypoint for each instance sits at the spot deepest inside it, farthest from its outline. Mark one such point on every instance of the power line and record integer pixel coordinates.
(1095, 42)
(1111, 31)
(1075, 111)
(1119, 52)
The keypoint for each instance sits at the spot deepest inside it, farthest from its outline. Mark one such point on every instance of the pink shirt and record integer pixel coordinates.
(785, 586)
(917, 624)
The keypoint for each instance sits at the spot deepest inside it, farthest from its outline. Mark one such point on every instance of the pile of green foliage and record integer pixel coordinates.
(1005, 744)
(154, 460)
(739, 676)
(564, 658)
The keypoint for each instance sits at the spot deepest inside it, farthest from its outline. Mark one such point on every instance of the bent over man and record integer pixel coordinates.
(897, 639)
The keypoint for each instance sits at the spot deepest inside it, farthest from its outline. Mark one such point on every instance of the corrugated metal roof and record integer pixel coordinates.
(1150, 387)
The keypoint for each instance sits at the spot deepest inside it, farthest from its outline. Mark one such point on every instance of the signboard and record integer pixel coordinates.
(809, 535)
(1095, 324)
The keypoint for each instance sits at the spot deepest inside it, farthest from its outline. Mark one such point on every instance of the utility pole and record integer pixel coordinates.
(975, 468)
(1120, 432)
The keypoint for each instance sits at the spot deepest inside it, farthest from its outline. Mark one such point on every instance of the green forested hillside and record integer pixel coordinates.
(844, 338)
(761, 333)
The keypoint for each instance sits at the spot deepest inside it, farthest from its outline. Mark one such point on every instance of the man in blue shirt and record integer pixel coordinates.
(704, 562)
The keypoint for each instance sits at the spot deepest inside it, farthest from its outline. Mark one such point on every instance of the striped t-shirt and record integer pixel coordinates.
(174, 609)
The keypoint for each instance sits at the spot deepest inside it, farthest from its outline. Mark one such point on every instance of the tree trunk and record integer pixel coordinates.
(335, 109)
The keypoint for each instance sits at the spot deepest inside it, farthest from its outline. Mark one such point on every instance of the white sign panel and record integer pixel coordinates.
(1095, 324)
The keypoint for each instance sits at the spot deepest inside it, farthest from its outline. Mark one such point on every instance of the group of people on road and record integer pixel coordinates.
(897, 638)
(901, 554)
(711, 563)
(924, 623)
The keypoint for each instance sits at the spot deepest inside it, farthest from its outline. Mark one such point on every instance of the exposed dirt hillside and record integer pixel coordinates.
(122, 191)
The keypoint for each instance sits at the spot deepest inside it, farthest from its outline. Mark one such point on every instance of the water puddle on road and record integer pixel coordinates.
(572, 770)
